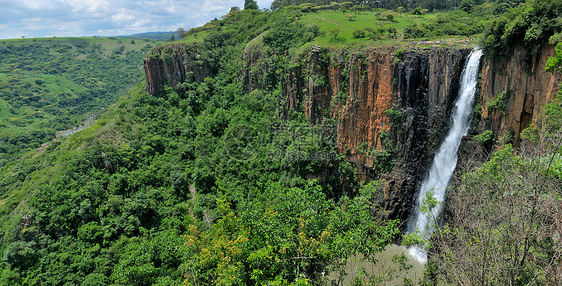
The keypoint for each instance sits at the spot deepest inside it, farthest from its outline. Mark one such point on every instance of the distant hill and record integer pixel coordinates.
(52, 84)
(162, 36)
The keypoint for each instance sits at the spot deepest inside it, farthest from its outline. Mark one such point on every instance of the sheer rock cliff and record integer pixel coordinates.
(390, 113)
(391, 108)
(173, 64)
(527, 87)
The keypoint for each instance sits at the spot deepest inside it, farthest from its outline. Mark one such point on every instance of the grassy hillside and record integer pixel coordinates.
(160, 36)
(52, 84)
(380, 26)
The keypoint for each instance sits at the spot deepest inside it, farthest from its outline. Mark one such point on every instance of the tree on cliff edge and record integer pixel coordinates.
(251, 4)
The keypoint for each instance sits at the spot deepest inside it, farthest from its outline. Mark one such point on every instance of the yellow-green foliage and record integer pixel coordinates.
(498, 102)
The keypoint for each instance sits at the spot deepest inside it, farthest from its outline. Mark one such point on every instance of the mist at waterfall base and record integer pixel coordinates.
(445, 159)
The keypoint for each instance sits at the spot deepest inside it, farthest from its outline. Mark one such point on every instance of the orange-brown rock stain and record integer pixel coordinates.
(530, 88)
(363, 116)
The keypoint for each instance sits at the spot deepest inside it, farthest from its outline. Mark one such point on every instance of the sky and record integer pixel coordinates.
(77, 18)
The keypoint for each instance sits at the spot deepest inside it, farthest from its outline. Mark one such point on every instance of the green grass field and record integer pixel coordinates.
(336, 20)
(197, 38)
(447, 26)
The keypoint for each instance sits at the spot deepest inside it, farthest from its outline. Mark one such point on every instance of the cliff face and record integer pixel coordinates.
(174, 64)
(427, 87)
(391, 113)
(386, 109)
(527, 87)
(382, 104)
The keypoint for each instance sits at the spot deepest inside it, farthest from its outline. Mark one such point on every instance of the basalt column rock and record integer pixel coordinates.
(176, 63)
(426, 87)
(528, 87)
(381, 105)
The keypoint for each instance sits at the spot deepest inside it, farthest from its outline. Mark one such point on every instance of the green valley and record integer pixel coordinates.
(52, 84)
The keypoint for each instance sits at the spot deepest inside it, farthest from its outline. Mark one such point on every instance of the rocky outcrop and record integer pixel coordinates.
(176, 63)
(527, 86)
(255, 67)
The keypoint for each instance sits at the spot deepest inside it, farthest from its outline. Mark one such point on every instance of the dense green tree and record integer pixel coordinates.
(21, 254)
(417, 11)
(466, 5)
(529, 26)
(250, 5)
(281, 229)
(283, 34)
(182, 33)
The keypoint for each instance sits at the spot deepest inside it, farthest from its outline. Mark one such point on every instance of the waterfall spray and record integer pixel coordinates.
(445, 159)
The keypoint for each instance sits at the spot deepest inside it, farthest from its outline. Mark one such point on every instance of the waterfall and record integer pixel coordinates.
(445, 159)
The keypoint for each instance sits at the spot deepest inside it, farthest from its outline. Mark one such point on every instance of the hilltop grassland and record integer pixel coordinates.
(373, 27)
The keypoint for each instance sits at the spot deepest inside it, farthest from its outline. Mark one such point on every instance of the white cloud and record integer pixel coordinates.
(40, 18)
(140, 23)
(36, 4)
(89, 6)
(123, 16)
(211, 6)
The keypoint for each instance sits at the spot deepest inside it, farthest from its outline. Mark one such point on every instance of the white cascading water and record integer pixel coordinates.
(445, 159)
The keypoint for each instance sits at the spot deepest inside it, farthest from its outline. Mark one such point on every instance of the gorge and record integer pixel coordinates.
(295, 147)
(382, 103)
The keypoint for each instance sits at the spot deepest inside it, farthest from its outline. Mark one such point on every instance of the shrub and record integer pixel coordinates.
(416, 31)
(387, 16)
(392, 31)
(466, 5)
(357, 34)
(486, 138)
(395, 115)
(399, 54)
(498, 102)
(335, 33)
